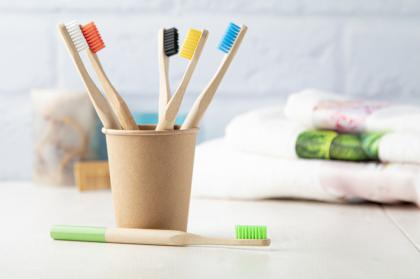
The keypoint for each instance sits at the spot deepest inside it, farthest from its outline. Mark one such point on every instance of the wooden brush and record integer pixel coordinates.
(167, 46)
(230, 45)
(245, 236)
(191, 50)
(71, 35)
(118, 105)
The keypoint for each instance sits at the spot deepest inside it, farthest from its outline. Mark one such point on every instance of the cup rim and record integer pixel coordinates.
(148, 130)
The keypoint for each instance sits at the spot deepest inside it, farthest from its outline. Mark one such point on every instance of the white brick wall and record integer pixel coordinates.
(357, 47)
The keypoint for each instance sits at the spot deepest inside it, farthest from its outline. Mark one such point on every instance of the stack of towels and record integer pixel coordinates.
(319, 146)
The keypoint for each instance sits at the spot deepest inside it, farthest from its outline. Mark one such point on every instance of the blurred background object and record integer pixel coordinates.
(358, 48)
(65, 130)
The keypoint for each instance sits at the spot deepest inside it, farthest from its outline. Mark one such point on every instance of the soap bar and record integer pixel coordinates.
(92, 175)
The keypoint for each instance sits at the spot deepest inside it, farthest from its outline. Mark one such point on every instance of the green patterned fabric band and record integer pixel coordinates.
(331, 145)
(370, 143)
(315, 144)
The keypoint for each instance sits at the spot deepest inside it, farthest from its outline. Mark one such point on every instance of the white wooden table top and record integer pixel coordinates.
(309, 240)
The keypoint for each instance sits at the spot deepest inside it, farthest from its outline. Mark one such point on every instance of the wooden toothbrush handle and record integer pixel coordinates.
(145, 236)
(164, 87)
(99, 102)
(167, 121)
(193, 239)
(117, 103)
(203, 101)
(173, 238)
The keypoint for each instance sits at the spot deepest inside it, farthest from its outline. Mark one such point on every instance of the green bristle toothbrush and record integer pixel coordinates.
(229, 45)
(245, 236)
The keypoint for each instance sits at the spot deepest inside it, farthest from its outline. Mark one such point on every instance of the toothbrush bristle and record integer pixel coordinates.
(229, 38)
(190, 43)
(170, 41)
(76, 35)
(251, 232)
(92, 36)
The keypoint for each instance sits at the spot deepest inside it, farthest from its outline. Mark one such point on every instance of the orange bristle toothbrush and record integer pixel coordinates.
(120, 108)
(191, 50)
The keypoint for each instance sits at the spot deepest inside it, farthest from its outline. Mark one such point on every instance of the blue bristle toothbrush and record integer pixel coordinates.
(229, 45)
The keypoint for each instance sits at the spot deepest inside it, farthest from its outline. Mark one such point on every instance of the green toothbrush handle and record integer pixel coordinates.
(78, 233)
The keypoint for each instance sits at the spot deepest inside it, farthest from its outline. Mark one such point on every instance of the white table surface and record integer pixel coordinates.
(309, 239)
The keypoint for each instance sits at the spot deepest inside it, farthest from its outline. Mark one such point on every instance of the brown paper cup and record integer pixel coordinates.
(151, 173)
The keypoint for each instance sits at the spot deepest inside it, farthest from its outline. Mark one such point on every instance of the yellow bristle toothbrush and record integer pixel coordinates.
(245, 236)
(191, 50)
(167, 46)
(118, 105)
(229, 45)
(74, 41)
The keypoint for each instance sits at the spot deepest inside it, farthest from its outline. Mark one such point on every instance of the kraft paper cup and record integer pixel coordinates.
(151, 173)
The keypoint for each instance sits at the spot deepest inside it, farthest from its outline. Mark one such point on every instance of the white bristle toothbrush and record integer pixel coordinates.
(75, 42)
(229, 45)
(191, 50)
(93, 38)
(245, 236)
(167, 46)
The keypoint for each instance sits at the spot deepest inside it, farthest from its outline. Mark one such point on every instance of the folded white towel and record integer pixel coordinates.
(266, 131)
(323, 110)
(300, 106)
(222, 172)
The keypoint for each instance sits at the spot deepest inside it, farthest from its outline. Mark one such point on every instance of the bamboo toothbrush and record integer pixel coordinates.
(229, 45)
(167, 46)
(74, 41)
(117, 103)
(191, 50)
(245, 236)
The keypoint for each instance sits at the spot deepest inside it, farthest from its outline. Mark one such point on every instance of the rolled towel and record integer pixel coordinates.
(323, 110)
(267, 132)
(221, 172)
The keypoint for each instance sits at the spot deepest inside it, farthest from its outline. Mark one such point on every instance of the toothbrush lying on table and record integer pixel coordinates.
(229, 45)
(75, 43)
(167, 46)
(191, 50)
(245, 236)
(118, 105)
